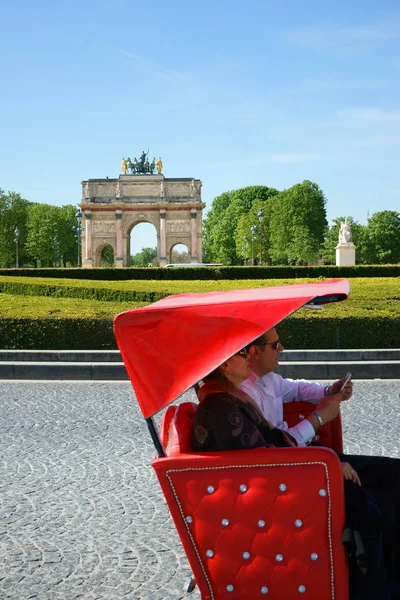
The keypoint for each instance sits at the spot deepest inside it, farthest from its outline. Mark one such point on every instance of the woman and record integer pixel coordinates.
(228, 419)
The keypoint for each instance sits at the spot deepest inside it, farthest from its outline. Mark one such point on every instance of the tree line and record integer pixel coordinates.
(293, 230)
(290, 227)
(37, 235)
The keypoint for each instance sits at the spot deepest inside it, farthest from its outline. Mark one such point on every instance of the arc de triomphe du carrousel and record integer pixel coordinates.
(111, 208)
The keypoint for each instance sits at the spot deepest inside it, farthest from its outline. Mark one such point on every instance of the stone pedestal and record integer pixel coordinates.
(87, 263)
(345, 255)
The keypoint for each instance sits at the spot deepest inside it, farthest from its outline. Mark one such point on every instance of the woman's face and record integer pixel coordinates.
(237, 368)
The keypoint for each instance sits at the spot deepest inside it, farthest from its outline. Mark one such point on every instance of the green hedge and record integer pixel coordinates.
(296, 333)
(57, 334)
(281, 272)
(85, 293)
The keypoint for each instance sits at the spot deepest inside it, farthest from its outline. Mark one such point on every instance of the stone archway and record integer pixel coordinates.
(99, 249)
(173, 247)
(112, 207)
(129, 222)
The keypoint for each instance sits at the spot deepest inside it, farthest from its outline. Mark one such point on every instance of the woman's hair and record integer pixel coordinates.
(213, 375)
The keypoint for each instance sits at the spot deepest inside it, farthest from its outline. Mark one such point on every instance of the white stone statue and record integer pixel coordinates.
(162, 190)
(118, 190)
(345, 232)
(87, 190)
(192, 189)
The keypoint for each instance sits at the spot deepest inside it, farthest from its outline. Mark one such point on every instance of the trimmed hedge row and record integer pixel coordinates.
(187, 273)
(296, 333)
(85, 293)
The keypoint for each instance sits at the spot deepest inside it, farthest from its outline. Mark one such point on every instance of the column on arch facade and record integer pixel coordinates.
(193, 215)
(119, 260)
(163, 239)
(88, 260)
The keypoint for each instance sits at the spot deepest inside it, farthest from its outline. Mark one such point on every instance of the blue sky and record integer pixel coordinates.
(234, 93)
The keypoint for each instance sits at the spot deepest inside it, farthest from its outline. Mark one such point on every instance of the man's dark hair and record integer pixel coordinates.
(257, 342)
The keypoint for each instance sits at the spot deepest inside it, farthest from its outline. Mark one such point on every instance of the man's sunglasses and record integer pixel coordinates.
(275, 345)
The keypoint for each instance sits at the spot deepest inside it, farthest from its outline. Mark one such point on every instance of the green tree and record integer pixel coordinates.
(220, 241)
(328, 248)
(250, 232)
(67, 228)
(51, 238)
(13, 214)
(382, 238)
(144, 258)
(297, 224)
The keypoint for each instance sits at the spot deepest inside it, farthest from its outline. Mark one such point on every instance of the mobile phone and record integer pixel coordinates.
(347, 378)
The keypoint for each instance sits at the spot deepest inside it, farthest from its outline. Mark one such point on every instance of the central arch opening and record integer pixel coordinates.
(143, 245)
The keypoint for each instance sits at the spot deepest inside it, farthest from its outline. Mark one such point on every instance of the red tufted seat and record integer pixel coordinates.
(255, 523)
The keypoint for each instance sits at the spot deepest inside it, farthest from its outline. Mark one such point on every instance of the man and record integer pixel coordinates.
(381, 475)
(270, 390)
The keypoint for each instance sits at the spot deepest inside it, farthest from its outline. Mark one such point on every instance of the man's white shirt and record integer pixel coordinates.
(272, 390)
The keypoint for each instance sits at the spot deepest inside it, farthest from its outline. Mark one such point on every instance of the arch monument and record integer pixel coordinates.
(112, 207)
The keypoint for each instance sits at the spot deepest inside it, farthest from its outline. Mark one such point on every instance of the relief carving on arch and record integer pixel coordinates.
(177, 215)
(103, 227)
(103, 216)
(177, 227)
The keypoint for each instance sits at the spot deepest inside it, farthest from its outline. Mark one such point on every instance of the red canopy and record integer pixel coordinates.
(170, 345)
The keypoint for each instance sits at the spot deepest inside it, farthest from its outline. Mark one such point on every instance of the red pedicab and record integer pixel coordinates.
(252, 522)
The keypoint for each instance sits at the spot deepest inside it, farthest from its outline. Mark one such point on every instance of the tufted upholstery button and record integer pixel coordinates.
(282, 487)
(302, 589)
(246, 555)
(298, 522)
(225, 522)
(314, 556)
(189, 519)
(279, 558)
(322, 492)
(209, 553)
(264, 589)
(243, 488)
(261, 523)
(317, 437)
(229, 587)
(301, 416)
(210, 489)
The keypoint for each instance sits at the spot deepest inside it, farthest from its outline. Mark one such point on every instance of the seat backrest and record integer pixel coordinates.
(249, 522)
(176, 428)
(329, 435)
(257, 522)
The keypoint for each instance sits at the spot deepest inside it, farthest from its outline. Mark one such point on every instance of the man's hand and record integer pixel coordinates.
(349, 473)
(336, 387)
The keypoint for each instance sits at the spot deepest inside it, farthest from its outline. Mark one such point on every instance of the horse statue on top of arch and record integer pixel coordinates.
(142, 166)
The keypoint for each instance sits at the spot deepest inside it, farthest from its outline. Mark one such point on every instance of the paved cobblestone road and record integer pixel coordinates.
(81, 513)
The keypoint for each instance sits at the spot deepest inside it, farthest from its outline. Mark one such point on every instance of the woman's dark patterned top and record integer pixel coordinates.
(224, 422)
